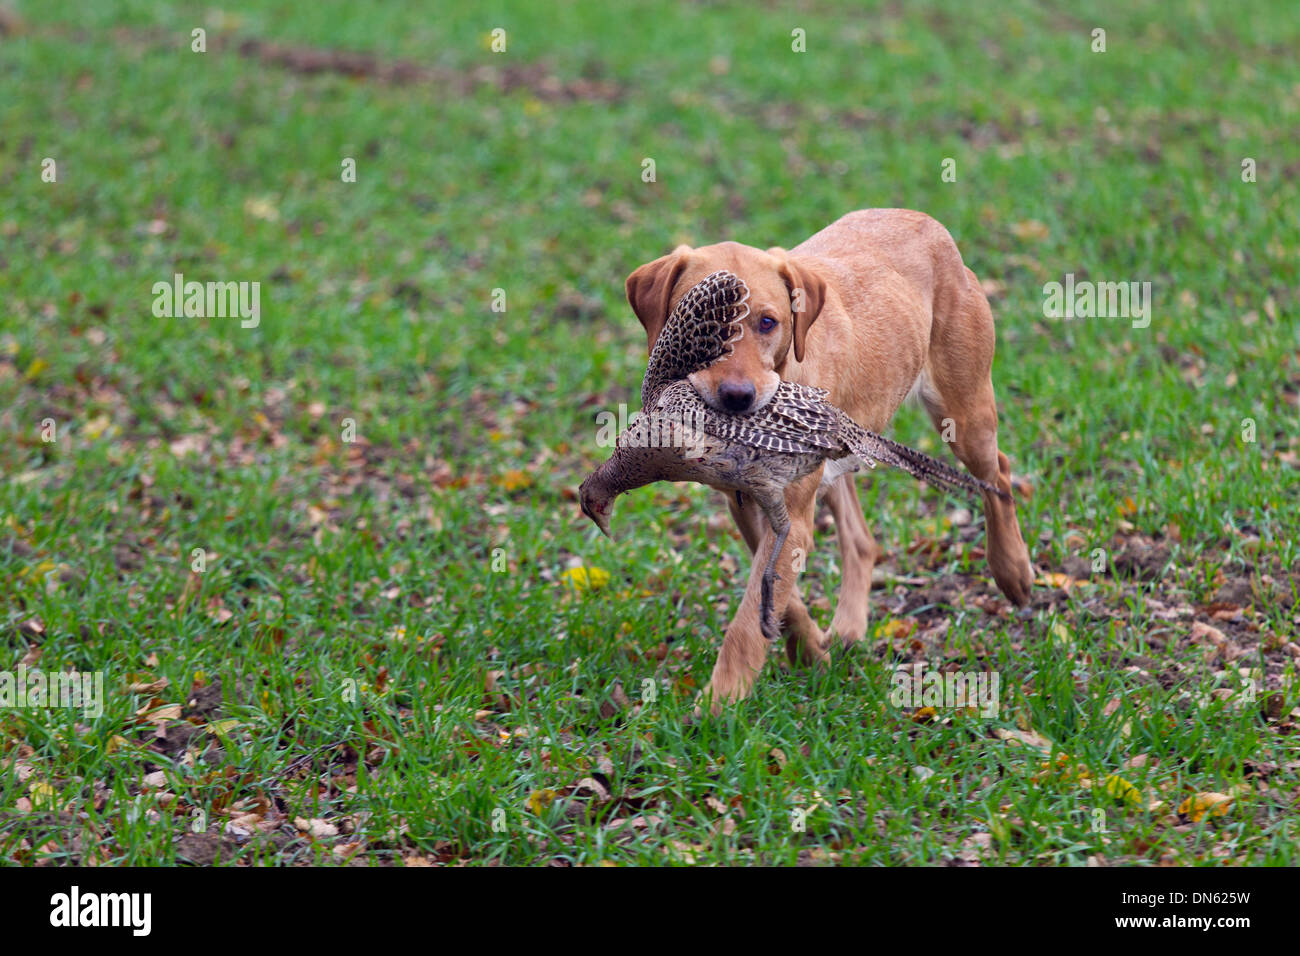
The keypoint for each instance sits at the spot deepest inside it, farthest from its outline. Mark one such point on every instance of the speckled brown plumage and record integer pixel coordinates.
(680, 438)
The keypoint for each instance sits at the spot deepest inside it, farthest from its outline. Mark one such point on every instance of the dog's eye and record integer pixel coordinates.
(766, 324)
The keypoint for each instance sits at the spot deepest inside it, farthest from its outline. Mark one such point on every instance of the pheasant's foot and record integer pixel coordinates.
(767, 612)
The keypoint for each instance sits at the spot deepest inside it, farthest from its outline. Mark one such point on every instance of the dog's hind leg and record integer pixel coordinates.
(957, 391)
(859, 553)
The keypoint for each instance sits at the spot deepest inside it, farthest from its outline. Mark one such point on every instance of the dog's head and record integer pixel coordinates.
(786, 295)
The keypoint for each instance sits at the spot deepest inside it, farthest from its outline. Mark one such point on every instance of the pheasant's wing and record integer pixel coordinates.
(679, 405)
(704, 326)
(797, 420)
(677, 401)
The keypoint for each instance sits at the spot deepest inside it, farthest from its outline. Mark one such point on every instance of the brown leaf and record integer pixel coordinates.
(148, 687)
(319, 829)
(1203, 633)
(1026, 738)
(638, 822)
(976, 848)
(161, 714)
(590, 786)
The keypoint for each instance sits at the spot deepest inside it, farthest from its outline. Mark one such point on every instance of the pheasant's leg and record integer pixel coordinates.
(803, 638)
(859, 554)
(767, 616)
(744, 650)
(779, 519)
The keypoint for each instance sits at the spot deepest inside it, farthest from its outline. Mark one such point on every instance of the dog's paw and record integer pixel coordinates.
(1015, 582)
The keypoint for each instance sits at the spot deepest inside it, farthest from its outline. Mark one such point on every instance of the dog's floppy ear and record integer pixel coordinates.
(807, 295)
(649, 289)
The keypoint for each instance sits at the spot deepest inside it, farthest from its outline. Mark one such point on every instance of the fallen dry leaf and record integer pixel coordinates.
(1121, 789)
(1028, 738)
(1203, 633)
(586, 579)
(317, 828)
(159, 714)
(539, 800)
(1199, 804)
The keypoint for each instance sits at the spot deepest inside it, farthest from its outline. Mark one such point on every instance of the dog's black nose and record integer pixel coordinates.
(736, 396)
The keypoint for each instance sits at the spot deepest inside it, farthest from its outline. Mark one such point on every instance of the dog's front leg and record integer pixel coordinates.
(744, 649)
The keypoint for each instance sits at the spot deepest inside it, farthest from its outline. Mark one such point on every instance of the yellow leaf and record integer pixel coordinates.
(38, 570)
(539, 800)
(1121, 789)
(38, 366)
(262, 207)
(1065, 769)
(1030, 229)
(514, 480)
(96, 427)
(44, 796)
(586, 579)
(1055, 579)
(897, 627)
(1198, 805)
(116, 743)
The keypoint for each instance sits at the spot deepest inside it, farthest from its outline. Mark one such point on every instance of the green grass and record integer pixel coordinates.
(375, 672)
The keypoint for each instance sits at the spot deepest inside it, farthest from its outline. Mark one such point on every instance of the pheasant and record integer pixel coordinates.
(677, 437)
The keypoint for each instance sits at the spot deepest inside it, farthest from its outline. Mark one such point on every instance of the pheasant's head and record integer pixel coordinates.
(597, 502)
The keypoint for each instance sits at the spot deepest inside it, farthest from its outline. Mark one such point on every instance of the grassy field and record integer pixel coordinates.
(381, 653)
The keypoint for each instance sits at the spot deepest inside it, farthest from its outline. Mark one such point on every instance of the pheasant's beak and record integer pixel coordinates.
(599, 520)
(599, 516)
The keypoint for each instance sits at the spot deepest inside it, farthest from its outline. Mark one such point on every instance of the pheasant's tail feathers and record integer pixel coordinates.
(919, 465)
